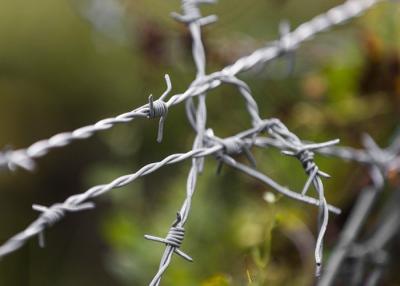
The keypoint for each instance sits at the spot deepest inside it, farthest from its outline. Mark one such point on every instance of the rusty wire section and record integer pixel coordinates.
(264, 133)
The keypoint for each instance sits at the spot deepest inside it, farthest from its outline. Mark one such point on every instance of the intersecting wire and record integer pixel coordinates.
(51, 215)
(192, 17)
(205, 143)
(381, 163)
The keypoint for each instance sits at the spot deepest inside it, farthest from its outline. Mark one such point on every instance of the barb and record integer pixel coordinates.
(53, 214)
(234, 146)
(174, 237)
(159, 108)
(302, 152)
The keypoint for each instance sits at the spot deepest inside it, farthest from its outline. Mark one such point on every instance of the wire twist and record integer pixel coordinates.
(159, 108)
(191, 13)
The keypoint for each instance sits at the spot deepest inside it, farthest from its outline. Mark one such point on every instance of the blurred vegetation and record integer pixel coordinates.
(65, 64)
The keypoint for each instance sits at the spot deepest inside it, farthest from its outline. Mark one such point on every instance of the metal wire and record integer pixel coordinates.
(275, 134)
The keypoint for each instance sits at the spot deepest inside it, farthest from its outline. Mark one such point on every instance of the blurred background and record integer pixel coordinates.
(68, 63)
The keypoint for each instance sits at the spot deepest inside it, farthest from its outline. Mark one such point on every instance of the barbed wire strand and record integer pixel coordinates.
(25, 158)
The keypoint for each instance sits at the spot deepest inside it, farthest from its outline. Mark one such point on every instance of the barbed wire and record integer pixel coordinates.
(276, 135)
(25, 158)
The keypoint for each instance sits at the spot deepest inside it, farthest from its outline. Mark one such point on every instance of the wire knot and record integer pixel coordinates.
(53, 214)
(286, 46)
(191, 13)
(11, 160)
(285, 41)
(306, 158)
(233, 145)
(50, 215)
(159, 108)
(379, 157)
(174, 238)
